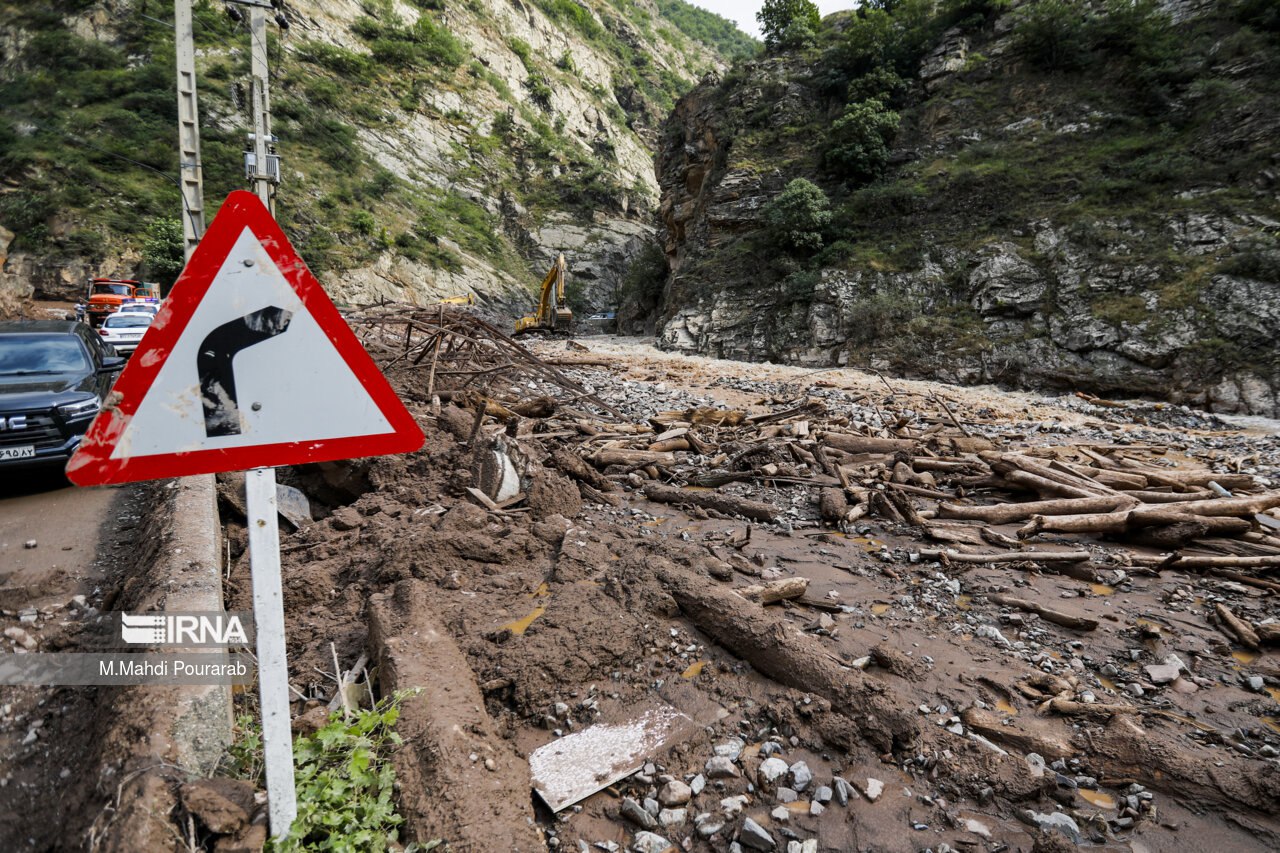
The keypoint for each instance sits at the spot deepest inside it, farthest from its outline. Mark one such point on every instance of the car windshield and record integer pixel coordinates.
(127, 321)
(22, 354)
(113, 289)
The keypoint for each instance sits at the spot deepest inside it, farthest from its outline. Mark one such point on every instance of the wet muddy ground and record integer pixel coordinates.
(895, 707)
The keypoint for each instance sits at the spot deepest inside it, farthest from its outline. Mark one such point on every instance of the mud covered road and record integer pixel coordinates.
(904, 702)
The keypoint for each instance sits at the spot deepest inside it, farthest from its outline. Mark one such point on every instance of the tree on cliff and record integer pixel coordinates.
(799, 216)
(788, 23)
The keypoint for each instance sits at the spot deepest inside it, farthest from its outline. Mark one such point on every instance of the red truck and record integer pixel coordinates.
(107, 294)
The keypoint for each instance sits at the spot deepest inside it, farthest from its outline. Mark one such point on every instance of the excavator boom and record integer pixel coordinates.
(553, 314)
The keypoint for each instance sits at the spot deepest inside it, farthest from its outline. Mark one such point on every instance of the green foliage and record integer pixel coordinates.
(354, 66)
(788, 23)
(523, 52)
(162, 251)
(858, 144)
(576, 16)
(716, 32)
(645, 276)
(1054, 34)
(426, 44)
(799, 216)
(345, 782)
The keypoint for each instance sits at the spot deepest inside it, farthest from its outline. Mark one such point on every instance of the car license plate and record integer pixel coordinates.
(25, 452)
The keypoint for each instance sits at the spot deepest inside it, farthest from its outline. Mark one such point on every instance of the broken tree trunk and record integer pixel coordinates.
(865, 444)
(573, 465)
(1004, 513)
(1008, 556)
(1241, 629)
(782, 652)
(727, 504)
(1057, 617)
(443, 723)
(775, 591)
(1214, 523)
(833, 505)
(606, 456)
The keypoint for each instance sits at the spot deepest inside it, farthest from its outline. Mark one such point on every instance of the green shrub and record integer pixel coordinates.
(539, 89)
(163, 251)
(1054, 34)
(362, 222)
(799, 216)
(337, 59)
(784, 22)
(858, 143)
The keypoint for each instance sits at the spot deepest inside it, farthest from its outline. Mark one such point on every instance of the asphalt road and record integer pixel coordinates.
(64, 521)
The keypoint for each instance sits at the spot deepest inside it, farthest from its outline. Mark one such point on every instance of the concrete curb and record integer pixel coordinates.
(157, 735)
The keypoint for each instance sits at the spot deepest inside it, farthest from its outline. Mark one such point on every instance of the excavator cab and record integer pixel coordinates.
(553, 314)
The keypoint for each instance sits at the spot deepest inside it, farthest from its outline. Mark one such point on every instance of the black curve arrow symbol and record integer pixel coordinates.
(214, 365)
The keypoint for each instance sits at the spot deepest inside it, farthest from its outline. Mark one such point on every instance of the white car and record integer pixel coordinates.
(124, 330)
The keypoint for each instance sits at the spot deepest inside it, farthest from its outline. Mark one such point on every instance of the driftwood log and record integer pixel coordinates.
(727, 504)
(1057, 617)
(782, 652)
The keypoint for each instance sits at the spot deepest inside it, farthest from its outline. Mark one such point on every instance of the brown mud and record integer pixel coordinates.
(892, 671)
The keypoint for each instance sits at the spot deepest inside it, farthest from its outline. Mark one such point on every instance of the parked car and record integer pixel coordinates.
(54, 376)
(124, 330)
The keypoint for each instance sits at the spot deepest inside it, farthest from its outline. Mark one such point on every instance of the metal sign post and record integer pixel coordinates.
(273, 665)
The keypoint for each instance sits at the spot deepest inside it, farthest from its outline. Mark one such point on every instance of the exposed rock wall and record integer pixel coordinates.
(977, 282)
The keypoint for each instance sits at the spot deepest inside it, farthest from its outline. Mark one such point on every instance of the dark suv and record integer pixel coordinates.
(54, 376)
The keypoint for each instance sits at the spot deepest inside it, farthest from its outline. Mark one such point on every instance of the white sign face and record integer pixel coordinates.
(247, 365)
(290, 386)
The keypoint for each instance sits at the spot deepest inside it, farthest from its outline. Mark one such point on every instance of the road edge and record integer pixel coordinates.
(184, 732)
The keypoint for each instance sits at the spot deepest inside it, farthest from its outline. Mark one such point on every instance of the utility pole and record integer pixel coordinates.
(261, 104)
(190, 178)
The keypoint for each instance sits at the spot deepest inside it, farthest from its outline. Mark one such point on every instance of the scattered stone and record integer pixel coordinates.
(222, 805)
(21, 637)
(816, 808)
(675, 793)
(29, 544)
(801, 775)
(843, 790)
(873, 790)
(1164, 673)
(636, 813)
(822, 794)
(1256, 683)
(781, 814)
(673, 817)
(708, 824)
(770, 747)
(697, 783)
(720, 767)
(787, 795)
(771, 770)
(651, 806)
(977, 827)
(1056, 821)
(732, 806)
(647, 842)
(754, 836)
(730, 749)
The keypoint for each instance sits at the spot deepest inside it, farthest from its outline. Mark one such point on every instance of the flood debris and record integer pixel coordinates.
(833, 587)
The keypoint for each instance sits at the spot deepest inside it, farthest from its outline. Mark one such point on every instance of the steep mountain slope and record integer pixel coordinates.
(1070, 195)
(429, 148)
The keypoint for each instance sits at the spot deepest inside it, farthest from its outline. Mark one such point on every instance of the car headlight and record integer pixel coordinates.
(80, 409)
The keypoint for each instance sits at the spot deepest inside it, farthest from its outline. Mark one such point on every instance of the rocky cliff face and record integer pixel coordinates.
(1043, 229)
(429, 148)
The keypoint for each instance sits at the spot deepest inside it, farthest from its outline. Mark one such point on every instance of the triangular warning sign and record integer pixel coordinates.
(247, 365)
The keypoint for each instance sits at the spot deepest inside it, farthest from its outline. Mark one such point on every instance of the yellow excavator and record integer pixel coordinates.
(468, 299)
(553, 314)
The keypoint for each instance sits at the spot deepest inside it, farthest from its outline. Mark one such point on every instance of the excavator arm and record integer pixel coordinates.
(553, 312)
